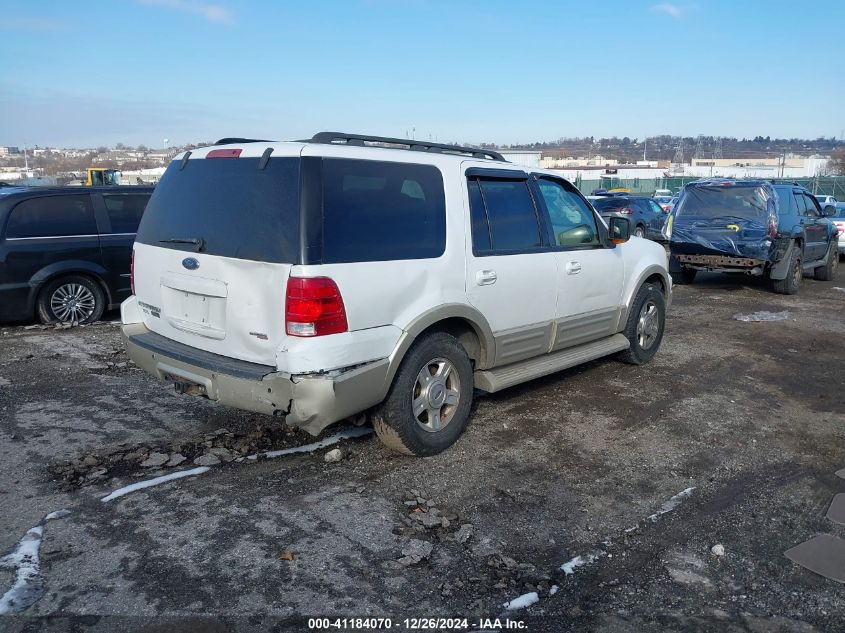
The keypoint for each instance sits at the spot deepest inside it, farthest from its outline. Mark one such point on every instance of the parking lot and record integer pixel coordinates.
(730, 436)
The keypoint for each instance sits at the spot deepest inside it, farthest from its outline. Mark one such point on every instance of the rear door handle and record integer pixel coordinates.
(573, 268)
(485, 277)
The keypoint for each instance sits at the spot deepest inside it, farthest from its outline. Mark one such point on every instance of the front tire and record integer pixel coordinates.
(828, 271)
(71, 299)
(645, 326)
(428, 405)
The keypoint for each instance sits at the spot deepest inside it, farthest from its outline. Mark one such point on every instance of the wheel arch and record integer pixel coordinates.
(463, 322)
(651, 274)
(63, 269)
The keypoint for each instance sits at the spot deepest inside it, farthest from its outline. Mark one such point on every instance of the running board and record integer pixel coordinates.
(509, 375)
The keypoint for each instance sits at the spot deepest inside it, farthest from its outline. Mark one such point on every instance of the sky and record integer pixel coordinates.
(140, 71)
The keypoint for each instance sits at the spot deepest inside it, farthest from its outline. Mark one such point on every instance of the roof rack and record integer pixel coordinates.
(337, 138)
(235, 139)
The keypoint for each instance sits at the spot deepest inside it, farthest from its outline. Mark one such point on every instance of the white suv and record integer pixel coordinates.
(317, 280)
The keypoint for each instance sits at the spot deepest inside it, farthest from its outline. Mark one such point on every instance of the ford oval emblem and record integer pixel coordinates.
(190, 263)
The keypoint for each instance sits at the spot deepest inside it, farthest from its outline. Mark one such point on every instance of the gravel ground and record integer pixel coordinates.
(747, 420)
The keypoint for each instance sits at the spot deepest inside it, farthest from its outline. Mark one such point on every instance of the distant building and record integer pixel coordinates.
(524, 158)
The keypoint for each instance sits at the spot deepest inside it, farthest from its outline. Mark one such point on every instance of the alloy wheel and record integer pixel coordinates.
(436, 394)
(72, 303)
(648, 325)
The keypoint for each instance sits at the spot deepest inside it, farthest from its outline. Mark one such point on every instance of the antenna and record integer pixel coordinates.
(717, 152)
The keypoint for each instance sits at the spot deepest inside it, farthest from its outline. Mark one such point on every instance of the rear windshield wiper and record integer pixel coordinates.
(197, 242)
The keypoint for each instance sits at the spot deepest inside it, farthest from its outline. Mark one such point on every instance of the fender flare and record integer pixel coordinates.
(468, 314)
(780, 270)
(653, 269)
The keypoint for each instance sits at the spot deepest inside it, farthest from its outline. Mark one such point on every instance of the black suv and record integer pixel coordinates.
(65, 252)
(644, 214)
(775, 230)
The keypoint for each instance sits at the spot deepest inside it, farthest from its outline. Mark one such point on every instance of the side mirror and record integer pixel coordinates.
(619, 229)
(829, 211)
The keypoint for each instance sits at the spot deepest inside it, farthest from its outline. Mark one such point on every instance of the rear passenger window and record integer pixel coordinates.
(125, 211)
(377, 211)
(510, 216)
(813, 207)
(52, 216)
(480, 227)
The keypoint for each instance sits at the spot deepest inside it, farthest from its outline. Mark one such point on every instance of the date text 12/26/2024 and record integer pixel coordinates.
(417, 624)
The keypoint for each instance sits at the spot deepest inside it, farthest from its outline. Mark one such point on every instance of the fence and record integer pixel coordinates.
(819, 185)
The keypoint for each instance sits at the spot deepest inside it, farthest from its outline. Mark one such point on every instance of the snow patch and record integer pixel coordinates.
(763, 315)
(149, 483)
(569, 567)
(28, 585)
(58, 514)
(553, 590)
(525, 600)
(673, 503)
(359, 431)
(4, 382)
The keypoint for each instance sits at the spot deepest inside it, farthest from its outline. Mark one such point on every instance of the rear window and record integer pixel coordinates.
(746, 202)
(235, 208)
(52, 216)
(379, 211)
(125, 210)
(606, 204)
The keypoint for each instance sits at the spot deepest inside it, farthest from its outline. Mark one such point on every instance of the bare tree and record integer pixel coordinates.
(836, 164)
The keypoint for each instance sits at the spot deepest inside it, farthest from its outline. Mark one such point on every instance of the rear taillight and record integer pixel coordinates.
(625, 210)
(132, 272)
(314, 307)
(772, 226)
(224, 153)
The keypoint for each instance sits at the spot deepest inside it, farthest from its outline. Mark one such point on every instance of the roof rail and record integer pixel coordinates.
(335, 138)
(235, 139)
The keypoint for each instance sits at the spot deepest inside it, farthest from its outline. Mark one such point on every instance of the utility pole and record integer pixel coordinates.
(699, 146)
(645, 146)
(679, 153)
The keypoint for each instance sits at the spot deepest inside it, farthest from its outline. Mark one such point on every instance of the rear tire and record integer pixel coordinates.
(428, 405)
(685, 277)
(828, 271)
(639, 231)
(71, 299)
(790, 285)
(645, 326)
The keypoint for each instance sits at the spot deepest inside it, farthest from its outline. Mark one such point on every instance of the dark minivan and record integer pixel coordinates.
(65, 252)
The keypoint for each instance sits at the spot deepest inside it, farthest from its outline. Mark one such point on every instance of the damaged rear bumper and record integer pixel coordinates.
(723, 263)
(307, 401)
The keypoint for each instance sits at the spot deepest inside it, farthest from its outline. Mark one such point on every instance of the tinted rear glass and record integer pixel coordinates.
(606, 204)
(751, 202)
(52, 216)
(379, 211)
(237, 209)
(511, 215)
(125, 210)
